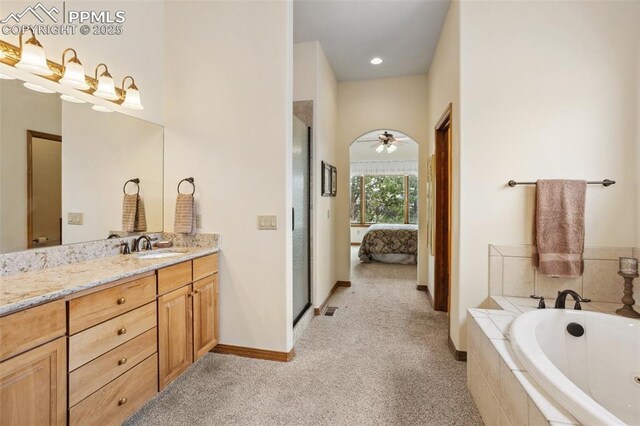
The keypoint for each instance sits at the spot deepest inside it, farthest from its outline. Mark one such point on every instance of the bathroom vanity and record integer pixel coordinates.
(91, 347)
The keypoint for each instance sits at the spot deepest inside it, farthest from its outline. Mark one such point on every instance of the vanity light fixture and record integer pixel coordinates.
(6, 77)
(100, 108)
(132, 95)
(106, 88)
(376, 61)
(37, 88)
(72, 99)
(32, 57)
(73, 72)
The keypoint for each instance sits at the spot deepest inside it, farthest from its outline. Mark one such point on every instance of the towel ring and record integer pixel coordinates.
(190, 180)
(136, 181)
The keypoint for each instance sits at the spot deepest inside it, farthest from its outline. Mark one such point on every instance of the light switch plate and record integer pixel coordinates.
(74, 218)
(268, 222)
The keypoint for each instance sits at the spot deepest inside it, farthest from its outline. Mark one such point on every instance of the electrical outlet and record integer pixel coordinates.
(199, 221)
(74, 218)
(268, 222)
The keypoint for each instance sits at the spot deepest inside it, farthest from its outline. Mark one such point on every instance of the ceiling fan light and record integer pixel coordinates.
(106, 88)
(391, 149)
(379, 149)
(132, 98)
(74, 75)
(33, 58)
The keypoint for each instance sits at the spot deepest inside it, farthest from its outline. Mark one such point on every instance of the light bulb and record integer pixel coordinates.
(100, 108)
(132, 98)
(74, 75)
(33, 58)
(37, 88)
(72, 99)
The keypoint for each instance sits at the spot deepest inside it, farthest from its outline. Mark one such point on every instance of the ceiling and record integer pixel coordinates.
(362, 151)
(404, 33)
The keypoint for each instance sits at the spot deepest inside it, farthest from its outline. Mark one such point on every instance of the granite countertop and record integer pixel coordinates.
(28, 289)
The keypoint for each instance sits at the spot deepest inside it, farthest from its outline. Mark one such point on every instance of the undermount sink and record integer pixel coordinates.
(158, 255)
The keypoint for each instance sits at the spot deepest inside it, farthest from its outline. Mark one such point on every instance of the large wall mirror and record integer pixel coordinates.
(63, 168)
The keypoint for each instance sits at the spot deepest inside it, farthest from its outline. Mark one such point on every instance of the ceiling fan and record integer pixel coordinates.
(386, 141)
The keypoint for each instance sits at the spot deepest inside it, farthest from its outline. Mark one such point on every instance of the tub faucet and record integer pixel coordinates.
(562, 297)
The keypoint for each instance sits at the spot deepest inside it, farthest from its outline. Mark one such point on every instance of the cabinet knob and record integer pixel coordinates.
(122, 361)
(121, 301)
(122, 401)
(196, 291)
(122, 331)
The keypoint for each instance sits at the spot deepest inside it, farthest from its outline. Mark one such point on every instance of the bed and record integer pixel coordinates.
(390, 244)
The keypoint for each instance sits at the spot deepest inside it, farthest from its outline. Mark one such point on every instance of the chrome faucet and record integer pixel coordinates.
(562, 298)
(147, 245)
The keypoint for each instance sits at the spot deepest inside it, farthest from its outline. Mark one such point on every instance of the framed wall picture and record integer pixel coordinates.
(326, 179)
(334, 181)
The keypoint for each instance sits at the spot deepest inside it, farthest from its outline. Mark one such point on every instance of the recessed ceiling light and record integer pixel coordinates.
(376, 61)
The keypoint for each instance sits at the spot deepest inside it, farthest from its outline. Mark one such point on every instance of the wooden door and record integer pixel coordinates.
(33, 386)
(175, 334)
(442, 243)
(205, 315)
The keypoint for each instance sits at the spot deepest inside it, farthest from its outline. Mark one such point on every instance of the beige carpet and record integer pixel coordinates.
(382, 359)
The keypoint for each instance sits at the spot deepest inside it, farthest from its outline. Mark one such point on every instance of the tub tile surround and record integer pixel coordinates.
(38, 282)
(501, 387)
(512, 273)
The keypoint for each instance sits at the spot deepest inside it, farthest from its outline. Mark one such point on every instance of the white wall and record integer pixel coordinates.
(444, 89)
(137, 52)
(549, 90)
(390, 103)
(313, 79)
(228, 115)
(100, 152)
(20, 110)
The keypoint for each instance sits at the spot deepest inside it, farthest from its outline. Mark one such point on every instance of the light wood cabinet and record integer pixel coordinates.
(187, 317)
(205, 315)
(33, 386)
(175, 334)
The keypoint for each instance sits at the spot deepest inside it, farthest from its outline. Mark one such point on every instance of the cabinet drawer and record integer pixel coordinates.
(90, 344)
(205, 266)
(174, 277)
(27, 329)
(97, 373)
(92, 309)
(119, 399)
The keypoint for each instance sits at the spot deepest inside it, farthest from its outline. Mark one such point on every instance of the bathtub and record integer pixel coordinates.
(595, 376)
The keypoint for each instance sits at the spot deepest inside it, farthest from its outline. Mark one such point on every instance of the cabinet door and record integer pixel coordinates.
(175, 334)
(33, 387)
(205, 315)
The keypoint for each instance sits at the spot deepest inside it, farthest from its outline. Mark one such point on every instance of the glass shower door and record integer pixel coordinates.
(301, 219)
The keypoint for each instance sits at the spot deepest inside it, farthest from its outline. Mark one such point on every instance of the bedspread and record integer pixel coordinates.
(389, 238)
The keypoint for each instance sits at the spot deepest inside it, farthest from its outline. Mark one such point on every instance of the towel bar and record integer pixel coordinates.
(136, 181)
(606, 182)
(190, 180)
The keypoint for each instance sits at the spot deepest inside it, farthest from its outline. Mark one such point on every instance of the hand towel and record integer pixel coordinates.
(184, 220)
(560, 208)
(133, 214)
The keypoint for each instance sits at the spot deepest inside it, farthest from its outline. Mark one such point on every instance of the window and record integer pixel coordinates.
(384, 199)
